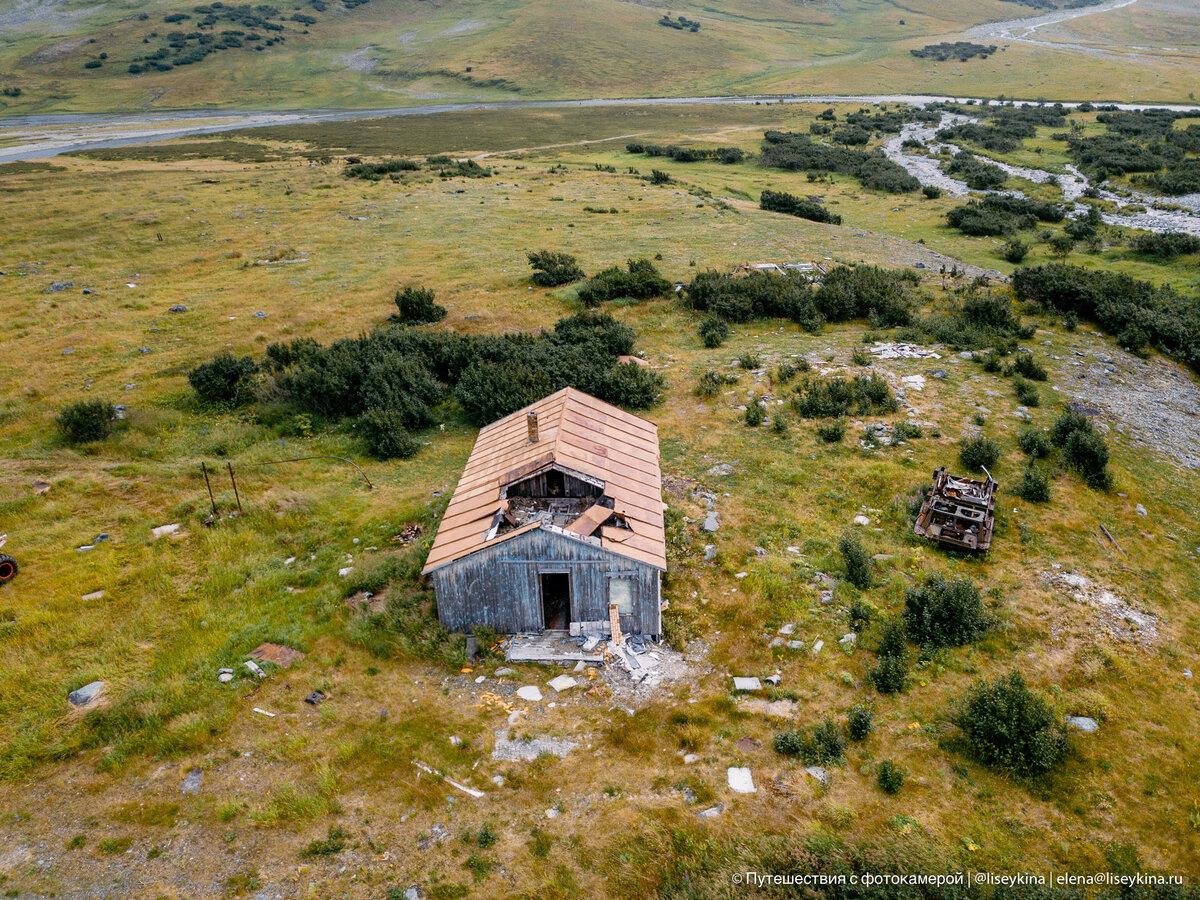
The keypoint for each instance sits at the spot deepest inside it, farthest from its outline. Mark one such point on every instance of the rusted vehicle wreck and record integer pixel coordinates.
(959, 512)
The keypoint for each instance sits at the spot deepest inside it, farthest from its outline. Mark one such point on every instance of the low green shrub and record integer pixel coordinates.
(889, 776)
(1087, 454)
(1034, 443)
(860, 722)
(713, 331)
(385, 436)
(945, 612)
(86, 421)
(856, 560)
(224, 379)
(890, 675)
(552, 269)
(823, 745)
(832, 432)
(1034, 486)
(754, 414)
(1026, 391)
(978, 452)
(416, 306)
(1007, 726)
(640, 280)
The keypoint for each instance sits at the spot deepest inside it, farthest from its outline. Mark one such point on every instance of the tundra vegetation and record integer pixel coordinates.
(922, 698)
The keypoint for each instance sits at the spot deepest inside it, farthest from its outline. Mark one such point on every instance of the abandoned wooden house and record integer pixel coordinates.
(556, 524)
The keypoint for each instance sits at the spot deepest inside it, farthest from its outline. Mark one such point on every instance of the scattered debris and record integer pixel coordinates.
(741, 781)
(562, 683)
(275, 653)
(712, 812)
(902, 351)
(408, 534)
(514, 749)
(92, 597)
(263, 712)
(958, 512)
(746, 684)
(192, 781)
(1116, 616)
(819, 775)
(450, 781)
(255, 669)
(315, 698)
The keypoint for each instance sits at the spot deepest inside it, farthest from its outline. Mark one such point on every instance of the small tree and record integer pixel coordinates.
(551, 269)
(945, 612)
(858, 563)
(713, 331)
(860, 722)
(1034, 485)
(86, 421)
(890, 676)
(1034, 443)
(416, 306)
(223, 379)
(978, 452)
(1015, 250)
(1008, 726)
(1087, 453)
(386, 437)
(889, 777)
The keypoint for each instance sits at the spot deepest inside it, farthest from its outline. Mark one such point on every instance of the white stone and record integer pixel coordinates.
(746, 683)
(788, 628)
(529, 692)
(849, 640)
(346, 570)
(93, 596)
(562, 683)
(255, 669)
(741, 781)
(163, 530)
(691, 758)
(818, 645)
(552, 813)
(861, 520)
(1085, 724)
(225, 677)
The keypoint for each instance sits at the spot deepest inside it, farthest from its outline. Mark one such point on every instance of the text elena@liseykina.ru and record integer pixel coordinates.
(868, 879)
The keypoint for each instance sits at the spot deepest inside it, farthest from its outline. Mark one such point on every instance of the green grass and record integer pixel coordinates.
(175, 610)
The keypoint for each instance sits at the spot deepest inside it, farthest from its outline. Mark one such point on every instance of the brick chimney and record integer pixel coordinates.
(531, 420)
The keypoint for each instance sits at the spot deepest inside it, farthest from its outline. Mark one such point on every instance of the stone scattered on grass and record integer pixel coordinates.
(92, 597)
(192, 781)
(529, 692)
(746, 683)
(741, 781)
(165, 530)
(88, 694)
(562, 683)
(516, 749)
(1084, 724)
(818, 774)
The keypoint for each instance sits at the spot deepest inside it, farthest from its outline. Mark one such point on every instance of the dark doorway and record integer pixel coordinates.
(556, 600)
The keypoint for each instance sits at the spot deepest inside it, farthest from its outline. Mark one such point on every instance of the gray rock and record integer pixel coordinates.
(819, 775)
(1187, 673)
(826, 597)
(849, 640)
(501, 673)
(88, 694)
(56, 286)
(795, 645)
(260, 315)
(225, 677)
(741, 780)
(1141, 510)
(412, 893)
(562, 683)
(100, 538)
(192, 781)
(710, 552)
(760, 552)
(711, 523)
(255, 669)
(937, 373)
(749, 683)
(85, 548)
(513, 749)
(529, 692)
(1085, 724)
(721, 469)
(87, 291)
(788, 628)
(712, 812)
(178, 307)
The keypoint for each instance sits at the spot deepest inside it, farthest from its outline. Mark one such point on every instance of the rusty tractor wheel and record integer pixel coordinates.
(8, 568)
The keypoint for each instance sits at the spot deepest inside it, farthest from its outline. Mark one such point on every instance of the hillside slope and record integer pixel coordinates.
(74, 56)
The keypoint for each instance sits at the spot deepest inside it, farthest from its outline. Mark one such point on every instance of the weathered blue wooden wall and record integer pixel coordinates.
(498, 586)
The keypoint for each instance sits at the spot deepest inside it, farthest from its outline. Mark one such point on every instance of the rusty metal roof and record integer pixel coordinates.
(581, 434)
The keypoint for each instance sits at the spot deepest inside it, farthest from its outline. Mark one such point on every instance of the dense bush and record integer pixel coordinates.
(986, 317)
(1087, 454)
(1034, 486)
(551, 269)
(1034, 443)
(978, 452)
(799, 153)
(416, 306)
(860, 722)
(832, 432)
(890, 777)
(1169, 245)
(945, 612)
(713, 331)
(640, 280)
(890, 675)
(778, 201)
(823, 745)
(1136, 312)
(1083, 449)
(999, 214)
(855, 559)
(1015, 250)
(1024, 364)
(757, 295)
(710, 384)
(385, 436)
(374, 171)
(978, 175)
(86, 421)
(1008, 726)
(754, 414)
(885, 298)
(727, 155)
(223, 379)
(1027, 392)
(837, 397)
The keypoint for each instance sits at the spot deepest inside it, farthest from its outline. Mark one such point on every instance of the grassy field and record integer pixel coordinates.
(98, 799)
(398, 53)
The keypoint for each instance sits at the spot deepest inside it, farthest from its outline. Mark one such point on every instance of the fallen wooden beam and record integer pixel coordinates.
(449, 781)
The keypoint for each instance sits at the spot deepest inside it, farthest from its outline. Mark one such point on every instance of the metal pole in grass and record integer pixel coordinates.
(207, 484)
(235, 490)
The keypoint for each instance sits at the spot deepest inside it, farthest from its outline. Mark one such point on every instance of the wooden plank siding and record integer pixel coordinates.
(498, 586)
